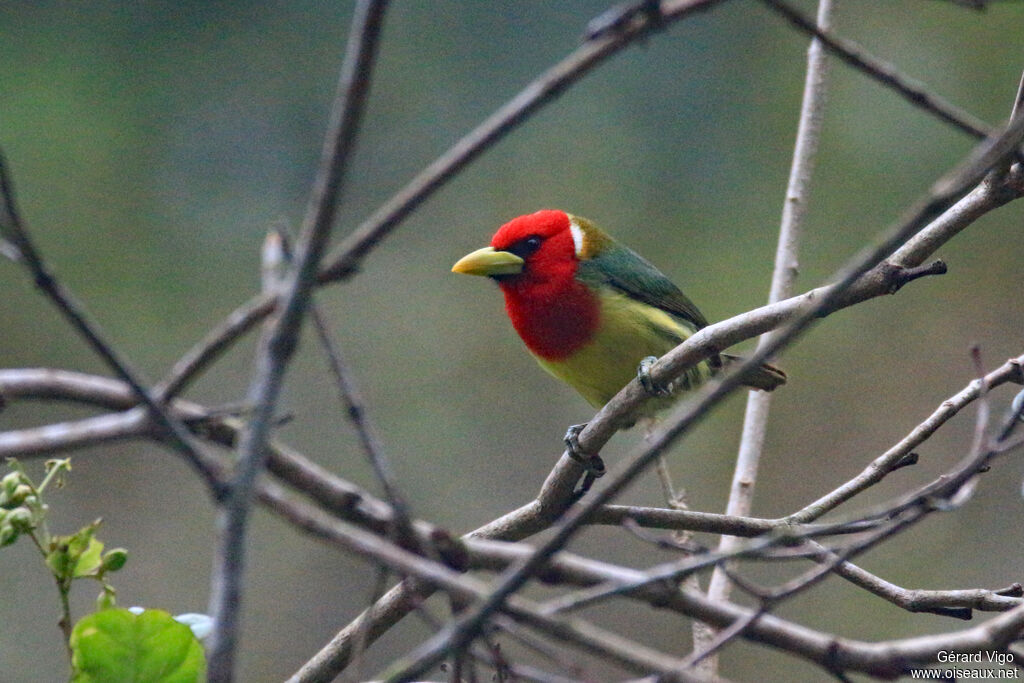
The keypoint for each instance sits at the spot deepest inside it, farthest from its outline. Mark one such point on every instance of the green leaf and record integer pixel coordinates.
(90, 560)
(116, 645)
(58, 561)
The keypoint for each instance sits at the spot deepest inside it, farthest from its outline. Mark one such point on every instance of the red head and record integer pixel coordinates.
(534, 260)
(544, 240)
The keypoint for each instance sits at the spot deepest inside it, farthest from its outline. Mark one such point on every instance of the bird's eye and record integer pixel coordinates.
(526, 246)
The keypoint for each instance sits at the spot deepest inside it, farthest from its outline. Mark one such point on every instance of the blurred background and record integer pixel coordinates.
(154, 143)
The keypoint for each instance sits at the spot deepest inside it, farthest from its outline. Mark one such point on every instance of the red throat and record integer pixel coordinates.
(553, 323)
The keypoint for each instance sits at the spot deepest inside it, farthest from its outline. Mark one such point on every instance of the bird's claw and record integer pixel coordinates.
(588, 481)
(643, 375)
(591, 463)
(572, 441)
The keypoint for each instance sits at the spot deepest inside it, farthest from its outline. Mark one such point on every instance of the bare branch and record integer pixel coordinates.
(626, 653)
(915, 93)
(881, 466)
(889, 658)
(557, 489)
(794, 209)
(274, 355)
(355, 410)
(951, 603)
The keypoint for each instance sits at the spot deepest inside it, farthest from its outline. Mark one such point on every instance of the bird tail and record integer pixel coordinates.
(767, 378)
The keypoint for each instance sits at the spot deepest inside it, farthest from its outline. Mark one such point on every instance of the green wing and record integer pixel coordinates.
(625, 271)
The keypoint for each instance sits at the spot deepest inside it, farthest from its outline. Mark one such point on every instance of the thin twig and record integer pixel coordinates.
(274, 355)
(703, 650)
(794, 209)
(770, 598)
(886, 74)
(355, 409)
(1011, 371)
(952, 603)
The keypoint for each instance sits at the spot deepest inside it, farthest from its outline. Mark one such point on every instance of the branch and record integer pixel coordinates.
(949, 491)
(886, 74)
(935, 495)
(630, 654)
(794, 209)
(277, 248)
(280, 342)
(888, 658)
(945, 488)
(555, 494)
(950, 603)
(1011, 371)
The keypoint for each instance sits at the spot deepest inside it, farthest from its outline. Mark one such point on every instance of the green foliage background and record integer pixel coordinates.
(154, 143)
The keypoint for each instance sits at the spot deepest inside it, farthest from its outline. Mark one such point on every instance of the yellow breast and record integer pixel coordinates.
(628, 332)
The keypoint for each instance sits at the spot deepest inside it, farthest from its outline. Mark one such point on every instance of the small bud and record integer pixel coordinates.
(8, 485)
(273, 261)
(10, 482)
(21, 519)
(18, 495)
(114, 559)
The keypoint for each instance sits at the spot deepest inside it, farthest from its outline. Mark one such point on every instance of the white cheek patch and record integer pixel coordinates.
(577, 238)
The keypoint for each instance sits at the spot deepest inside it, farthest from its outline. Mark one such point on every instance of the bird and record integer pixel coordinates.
(593, 312)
